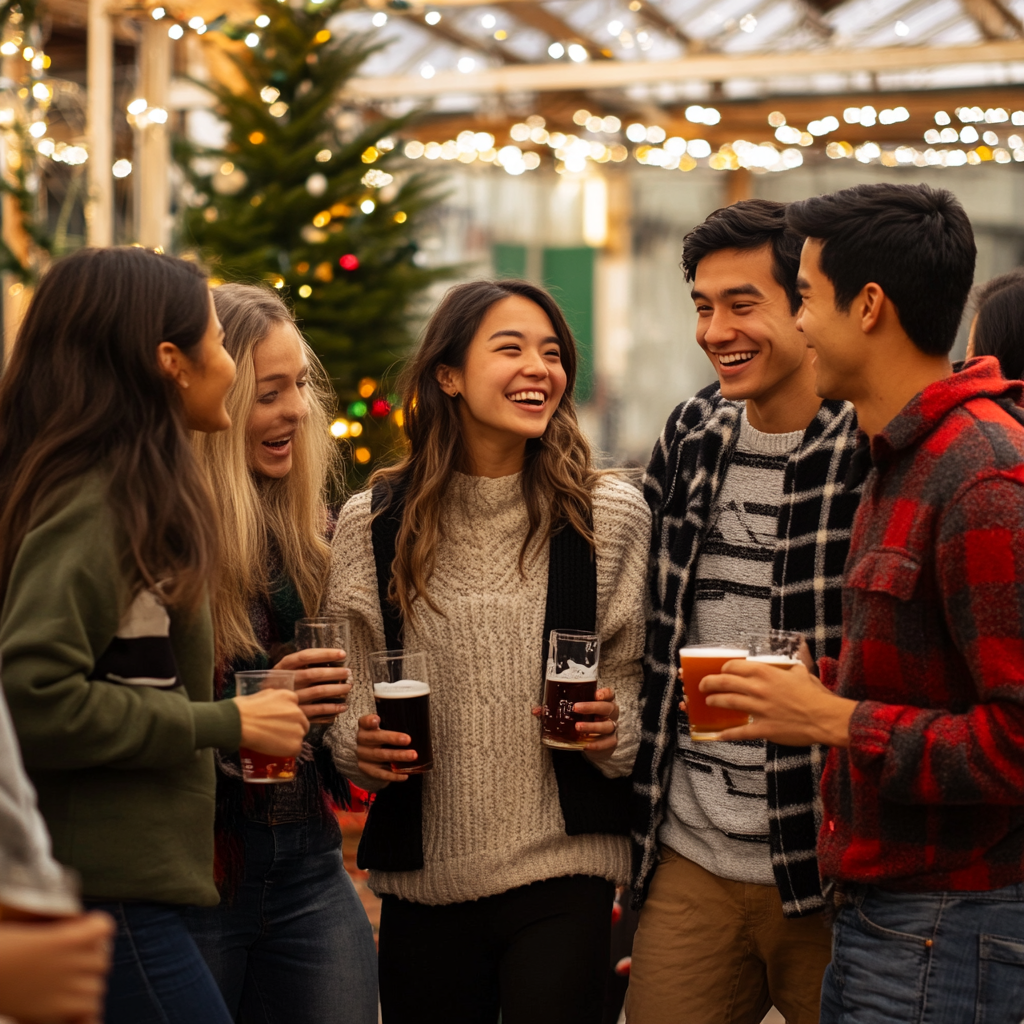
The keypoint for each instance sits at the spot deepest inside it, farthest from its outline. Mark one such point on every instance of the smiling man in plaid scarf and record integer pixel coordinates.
(751, 530)
(923, 791)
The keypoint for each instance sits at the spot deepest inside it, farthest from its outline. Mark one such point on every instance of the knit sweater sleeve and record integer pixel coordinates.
(62, 610)
(622, 525)
(352, 591)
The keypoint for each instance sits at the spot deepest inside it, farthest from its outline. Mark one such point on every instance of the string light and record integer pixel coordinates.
(654, 148)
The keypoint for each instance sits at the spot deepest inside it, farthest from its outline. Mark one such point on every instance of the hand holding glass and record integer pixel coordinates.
(571, 679)
(402, 695)
(257, 766)
(327, 634)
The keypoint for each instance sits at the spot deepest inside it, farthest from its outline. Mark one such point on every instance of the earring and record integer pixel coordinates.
(182, 383)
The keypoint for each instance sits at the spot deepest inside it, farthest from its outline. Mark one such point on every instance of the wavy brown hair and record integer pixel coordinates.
(557, 478)
(256, 514)
(83, 392)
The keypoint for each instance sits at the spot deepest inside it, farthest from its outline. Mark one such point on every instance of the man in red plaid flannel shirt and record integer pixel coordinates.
(923, 793)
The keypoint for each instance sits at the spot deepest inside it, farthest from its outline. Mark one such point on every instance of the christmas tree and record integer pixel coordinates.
(315, 199)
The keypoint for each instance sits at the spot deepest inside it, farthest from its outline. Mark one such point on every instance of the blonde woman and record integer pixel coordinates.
(497, 869)
(290, 941)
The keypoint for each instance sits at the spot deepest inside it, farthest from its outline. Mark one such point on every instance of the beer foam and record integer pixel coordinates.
(575, 673)
(403, 688)
(714, 652)
(774, 659)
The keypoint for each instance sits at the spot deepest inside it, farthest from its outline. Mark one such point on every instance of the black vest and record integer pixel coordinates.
(393, 837)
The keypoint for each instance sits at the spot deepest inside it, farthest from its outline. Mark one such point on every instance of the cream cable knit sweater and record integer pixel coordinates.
(491, 817)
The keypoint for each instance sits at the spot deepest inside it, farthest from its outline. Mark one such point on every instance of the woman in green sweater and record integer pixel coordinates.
(107, 541)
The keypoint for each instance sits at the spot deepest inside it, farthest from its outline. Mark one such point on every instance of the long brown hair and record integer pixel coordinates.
(558, 476)
(83, 392)
(255, 512)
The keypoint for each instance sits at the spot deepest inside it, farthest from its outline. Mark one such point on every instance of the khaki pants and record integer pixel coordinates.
(712, 951)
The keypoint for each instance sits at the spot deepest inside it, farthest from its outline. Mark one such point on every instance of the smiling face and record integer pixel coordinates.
(839, 344)
(512, 379)
(745, 325)
(281, 406)
(206, 379)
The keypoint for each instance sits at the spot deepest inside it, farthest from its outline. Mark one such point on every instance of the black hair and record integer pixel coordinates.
(750, 224)
(999, 327)
(914, 241)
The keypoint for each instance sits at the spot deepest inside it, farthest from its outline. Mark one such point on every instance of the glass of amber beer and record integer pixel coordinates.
(402, 695)
(257, 767)
(708, 723)
(571, 677)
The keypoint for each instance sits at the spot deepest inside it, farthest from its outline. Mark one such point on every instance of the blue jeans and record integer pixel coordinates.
(927, 958)
(158, 975)
(294, 945)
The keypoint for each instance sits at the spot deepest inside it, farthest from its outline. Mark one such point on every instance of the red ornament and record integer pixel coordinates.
(623, 966)
(379, 408)
(349, 262)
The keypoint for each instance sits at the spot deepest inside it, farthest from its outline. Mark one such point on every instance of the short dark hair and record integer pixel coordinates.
(999, 328)
(914, 241)
(750, 224)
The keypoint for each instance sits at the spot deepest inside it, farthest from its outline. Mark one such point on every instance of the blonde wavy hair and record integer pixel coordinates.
(558, 475)
(259, 515)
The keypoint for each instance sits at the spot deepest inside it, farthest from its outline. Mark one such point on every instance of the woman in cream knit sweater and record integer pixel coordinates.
(497, 875)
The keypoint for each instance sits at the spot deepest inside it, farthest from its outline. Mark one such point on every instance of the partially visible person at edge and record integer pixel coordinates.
(751, 530)
(923, 791)
(997, 326)
(107, 540)
(50, 970)
(290, 940)
(497, 869)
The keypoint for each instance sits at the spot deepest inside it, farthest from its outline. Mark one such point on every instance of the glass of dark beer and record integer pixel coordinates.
(323, 632)
(258, 767)
(571, 677)
(401, 692)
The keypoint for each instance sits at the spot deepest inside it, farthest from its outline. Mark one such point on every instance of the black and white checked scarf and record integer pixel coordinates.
(681, 485)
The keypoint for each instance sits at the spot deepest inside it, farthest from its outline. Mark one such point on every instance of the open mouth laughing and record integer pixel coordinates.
(280, 445)
(531, 399)
(735, 358)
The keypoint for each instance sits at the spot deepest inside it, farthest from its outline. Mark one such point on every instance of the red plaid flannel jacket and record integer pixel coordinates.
(930, 794)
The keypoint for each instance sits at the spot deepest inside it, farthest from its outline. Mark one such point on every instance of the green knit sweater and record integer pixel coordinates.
(111, 698)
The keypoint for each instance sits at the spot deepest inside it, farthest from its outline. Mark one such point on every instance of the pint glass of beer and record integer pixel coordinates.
(571, 677)
(779, 647)
(707, 723)
(256, 767)
(402, 695)
(323, 632)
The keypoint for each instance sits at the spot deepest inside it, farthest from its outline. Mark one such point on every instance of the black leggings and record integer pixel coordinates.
(538, 953)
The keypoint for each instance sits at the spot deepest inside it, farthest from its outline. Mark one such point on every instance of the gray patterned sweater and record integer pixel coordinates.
(681, 485)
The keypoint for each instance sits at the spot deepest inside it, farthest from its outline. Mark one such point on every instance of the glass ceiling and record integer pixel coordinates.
(469, 37)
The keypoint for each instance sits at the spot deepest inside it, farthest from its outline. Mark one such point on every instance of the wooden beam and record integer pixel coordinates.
(612, 74)
(652, 14)
(99, 207)
(994, 18)
(539, 17)
(152, 142)
(446, 31)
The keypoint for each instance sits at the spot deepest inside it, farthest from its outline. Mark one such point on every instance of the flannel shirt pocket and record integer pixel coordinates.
(888, 571)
